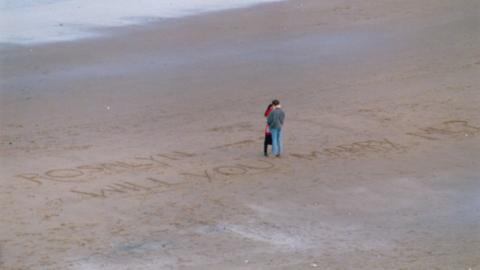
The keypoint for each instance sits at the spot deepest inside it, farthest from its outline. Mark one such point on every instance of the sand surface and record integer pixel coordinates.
(143, 149)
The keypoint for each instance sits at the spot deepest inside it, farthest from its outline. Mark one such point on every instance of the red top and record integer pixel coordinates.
(267, 112)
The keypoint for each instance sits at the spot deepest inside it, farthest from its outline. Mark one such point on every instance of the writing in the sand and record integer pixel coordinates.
(451, 128)
(81, 174)
(148, 184)
(84, 172)
(446, 129)
(356, 148)
(155, 185)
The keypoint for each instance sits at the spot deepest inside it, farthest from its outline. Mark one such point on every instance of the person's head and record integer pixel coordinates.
(275, 102)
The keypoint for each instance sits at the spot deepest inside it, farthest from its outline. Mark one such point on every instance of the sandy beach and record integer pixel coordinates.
(142, 149)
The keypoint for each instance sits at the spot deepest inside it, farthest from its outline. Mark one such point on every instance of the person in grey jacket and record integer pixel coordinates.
(275, 122)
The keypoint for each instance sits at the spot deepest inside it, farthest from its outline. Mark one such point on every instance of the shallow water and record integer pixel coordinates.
(43, 21)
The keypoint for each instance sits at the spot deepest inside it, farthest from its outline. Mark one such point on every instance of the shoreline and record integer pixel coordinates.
(83, 26)
(144, 148)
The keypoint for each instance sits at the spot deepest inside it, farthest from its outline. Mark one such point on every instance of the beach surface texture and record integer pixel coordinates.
(142, 147)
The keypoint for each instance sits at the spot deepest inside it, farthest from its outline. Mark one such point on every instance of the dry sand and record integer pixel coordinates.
(143, 149)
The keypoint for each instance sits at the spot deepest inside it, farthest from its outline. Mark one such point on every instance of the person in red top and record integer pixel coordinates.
(268, 135)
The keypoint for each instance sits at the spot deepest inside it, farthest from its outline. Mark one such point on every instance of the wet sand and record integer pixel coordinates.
(143, 149)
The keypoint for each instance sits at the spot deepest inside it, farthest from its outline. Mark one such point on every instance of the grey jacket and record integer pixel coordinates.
(275, 118)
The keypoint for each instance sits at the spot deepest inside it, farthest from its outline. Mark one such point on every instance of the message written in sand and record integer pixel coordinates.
(83, 173)
(149, 185)
(357, 148)
(88, 172)
(447, 129)
(154, 185)
(452, 128)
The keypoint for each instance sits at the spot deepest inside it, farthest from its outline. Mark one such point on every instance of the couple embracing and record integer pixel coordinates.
(273, 131)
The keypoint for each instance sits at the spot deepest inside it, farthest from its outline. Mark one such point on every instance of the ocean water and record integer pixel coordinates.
(44, 21)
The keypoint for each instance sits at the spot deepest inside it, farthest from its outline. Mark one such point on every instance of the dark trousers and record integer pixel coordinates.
(268, 140)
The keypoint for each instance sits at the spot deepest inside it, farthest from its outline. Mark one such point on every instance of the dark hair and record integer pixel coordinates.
(275, 102)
